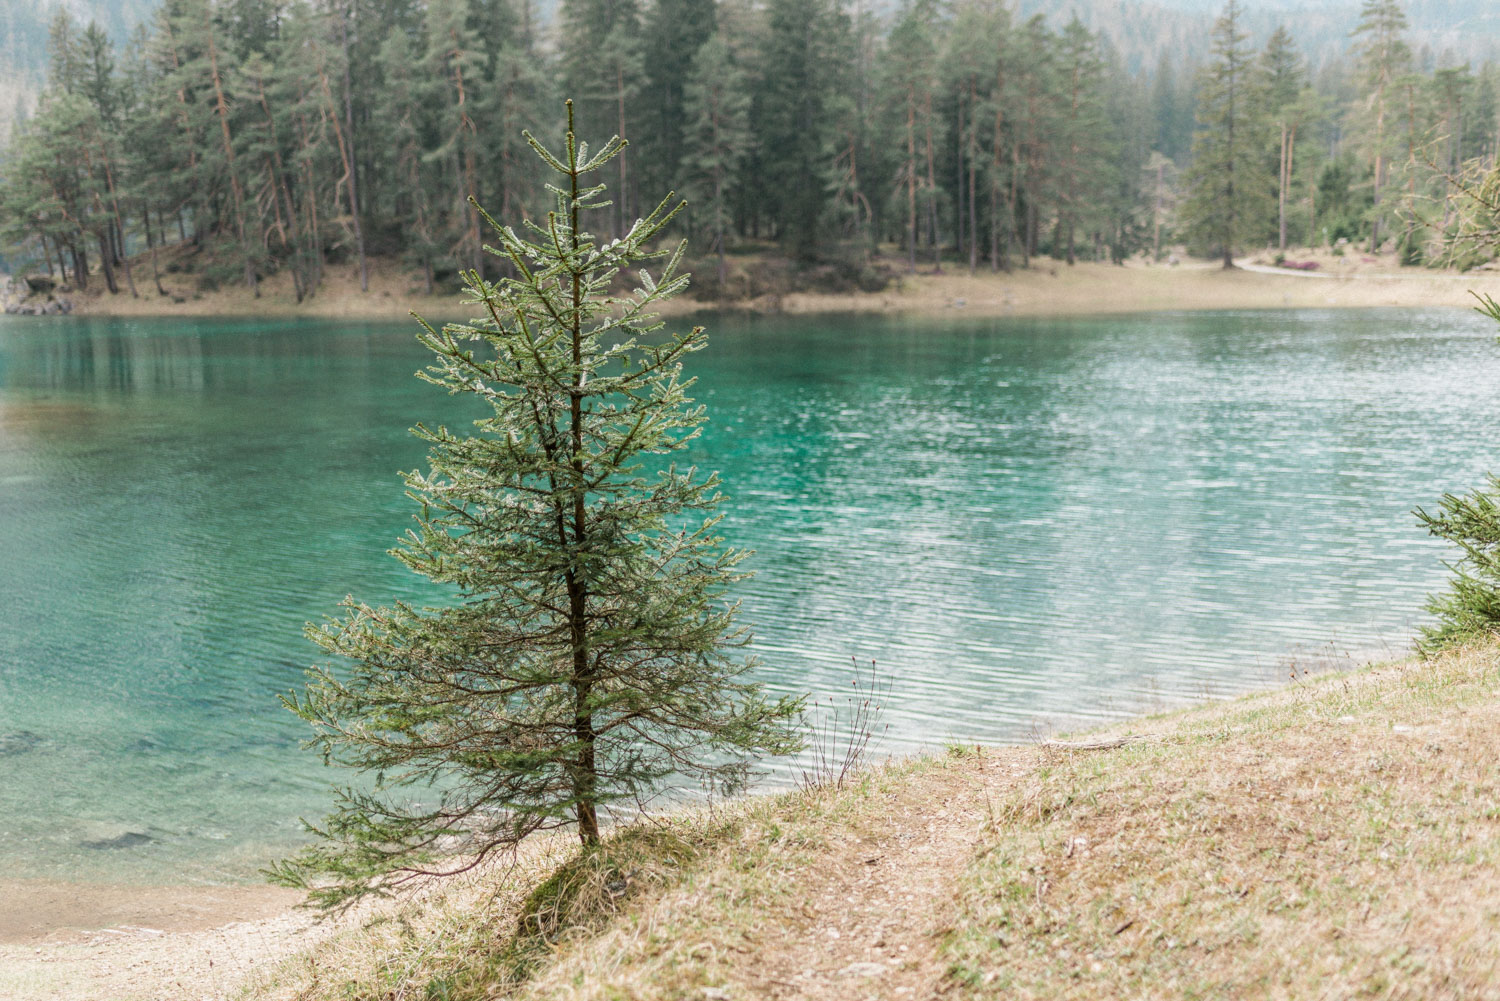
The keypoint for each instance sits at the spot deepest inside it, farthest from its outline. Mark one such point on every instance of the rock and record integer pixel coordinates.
(18, 742)
(130, 839)
(39, 284)
(863, 970)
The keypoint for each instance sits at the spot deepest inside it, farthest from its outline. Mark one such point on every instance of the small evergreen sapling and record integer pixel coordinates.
(593, 655)
(1471, 607)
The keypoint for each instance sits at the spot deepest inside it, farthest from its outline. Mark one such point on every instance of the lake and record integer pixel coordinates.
(1026, 524)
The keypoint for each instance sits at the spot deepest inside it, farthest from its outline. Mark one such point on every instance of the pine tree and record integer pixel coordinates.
(402, 141)
(1470, 609)
(796, 120)
(911, 67)
(673, 33)
(1282, 77)
(975, 66)
(1228, 185)
(717, 132)
(592, 655)
(1083, 131)
(1383, 56)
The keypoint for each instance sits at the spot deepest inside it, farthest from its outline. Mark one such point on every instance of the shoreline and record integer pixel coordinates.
(1047, 288)
(913, 828)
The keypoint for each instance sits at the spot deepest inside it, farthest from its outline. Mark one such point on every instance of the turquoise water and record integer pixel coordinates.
(1024, 522)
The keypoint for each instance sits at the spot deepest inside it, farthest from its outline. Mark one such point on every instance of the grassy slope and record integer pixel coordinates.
(1337, 837)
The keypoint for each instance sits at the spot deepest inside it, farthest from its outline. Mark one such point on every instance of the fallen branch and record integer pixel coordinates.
(1096, 745)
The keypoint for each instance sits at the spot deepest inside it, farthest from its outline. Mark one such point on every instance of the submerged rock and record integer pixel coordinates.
(130, 839)
(18, 742)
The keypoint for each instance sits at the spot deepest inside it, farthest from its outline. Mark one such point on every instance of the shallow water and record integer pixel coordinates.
(1024, 522)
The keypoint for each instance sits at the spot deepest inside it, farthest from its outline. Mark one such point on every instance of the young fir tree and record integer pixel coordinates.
(1471, 607)
(593, 655)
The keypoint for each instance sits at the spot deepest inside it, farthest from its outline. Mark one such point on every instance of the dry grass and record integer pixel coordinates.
(1334, 838)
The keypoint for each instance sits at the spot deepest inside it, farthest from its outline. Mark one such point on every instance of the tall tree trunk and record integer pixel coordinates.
(624, 190)
(586, 775)
(106, 266)
(995, 148)
(1379, 178)
(958, 168)
(114, 197)
(359, 235)
(151, 245)
(1161, 167)
(1281, 183)
(467, 178)
(937, 250)
(281, 192)
(347, 181)
(911, 180)
(221, 108)
(973, 171)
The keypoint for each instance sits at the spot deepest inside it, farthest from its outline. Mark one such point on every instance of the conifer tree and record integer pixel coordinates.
(1384, 56)
(804, 65)
(1083, 130)
(1228, 185)
(717, 107)
(592, 654)
(1282, 75)
(911, 65)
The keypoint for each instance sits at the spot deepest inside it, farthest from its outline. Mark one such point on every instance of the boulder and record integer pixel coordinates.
(40, 284)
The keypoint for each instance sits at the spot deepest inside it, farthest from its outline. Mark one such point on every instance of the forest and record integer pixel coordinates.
(295, 135)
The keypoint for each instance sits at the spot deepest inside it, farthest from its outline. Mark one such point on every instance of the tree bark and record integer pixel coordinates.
(221, 108)
(359, 235)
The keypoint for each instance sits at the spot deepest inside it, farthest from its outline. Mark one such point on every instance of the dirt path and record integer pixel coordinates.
(875, 911)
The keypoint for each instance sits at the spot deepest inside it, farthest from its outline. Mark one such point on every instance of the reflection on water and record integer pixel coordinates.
(1024, 521)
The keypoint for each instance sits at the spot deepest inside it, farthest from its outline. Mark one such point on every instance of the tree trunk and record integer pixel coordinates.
(105, 265)
(937, 249)
(359, 235)
(347, 181)
(151, 244)
(221, 108)
(586, 774)
(280, 192)
(624, 190)
(911, 181)
(109, 176)
(973, 171)
(958, 215)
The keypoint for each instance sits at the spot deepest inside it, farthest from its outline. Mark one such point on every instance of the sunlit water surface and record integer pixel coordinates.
(1023, 522)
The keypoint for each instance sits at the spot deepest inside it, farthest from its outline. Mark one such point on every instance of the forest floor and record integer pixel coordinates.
(1336, 837)
(1048, 287)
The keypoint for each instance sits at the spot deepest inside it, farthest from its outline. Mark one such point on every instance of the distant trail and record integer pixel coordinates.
(1267, 269)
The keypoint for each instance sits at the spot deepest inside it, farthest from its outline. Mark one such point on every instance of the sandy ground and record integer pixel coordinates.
(1047, 288)
(115, 943)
